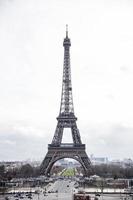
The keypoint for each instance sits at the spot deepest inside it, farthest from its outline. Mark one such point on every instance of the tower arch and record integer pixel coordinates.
(49, 169)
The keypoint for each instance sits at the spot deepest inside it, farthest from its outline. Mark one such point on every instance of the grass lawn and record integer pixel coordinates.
(68, 172)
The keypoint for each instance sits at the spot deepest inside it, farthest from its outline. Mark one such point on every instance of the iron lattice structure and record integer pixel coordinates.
(66, 119)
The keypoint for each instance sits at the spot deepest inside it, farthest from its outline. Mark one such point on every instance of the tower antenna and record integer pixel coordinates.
(66, 30)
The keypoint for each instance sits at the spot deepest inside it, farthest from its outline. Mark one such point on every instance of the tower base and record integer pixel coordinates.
(66, 150)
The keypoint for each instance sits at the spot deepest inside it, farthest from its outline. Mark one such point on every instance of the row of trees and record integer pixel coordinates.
(110, 171)
(24, 171)
(113, 171)
(103, 170)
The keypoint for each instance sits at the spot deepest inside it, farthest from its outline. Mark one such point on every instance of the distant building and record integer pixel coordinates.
(62, 163)
(127, 162)
(116, 162)
(10, 165)
(68, 163)
(98, 160)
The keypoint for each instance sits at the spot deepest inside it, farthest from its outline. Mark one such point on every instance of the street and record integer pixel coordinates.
(62, 189)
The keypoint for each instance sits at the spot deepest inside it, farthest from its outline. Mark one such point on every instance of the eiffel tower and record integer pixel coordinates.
(66, 119)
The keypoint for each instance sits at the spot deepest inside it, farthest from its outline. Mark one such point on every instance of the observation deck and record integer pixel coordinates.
(67, 146)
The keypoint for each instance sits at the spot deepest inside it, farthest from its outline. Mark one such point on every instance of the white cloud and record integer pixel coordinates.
(109, 140)
(124, 68)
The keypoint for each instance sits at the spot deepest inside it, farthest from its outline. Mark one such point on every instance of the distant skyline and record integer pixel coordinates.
(31, 66)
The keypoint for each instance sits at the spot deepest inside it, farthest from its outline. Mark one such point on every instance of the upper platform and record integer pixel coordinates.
(67, 146)
(65, 116)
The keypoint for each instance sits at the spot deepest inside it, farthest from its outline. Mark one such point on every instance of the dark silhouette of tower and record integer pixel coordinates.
(66, 119)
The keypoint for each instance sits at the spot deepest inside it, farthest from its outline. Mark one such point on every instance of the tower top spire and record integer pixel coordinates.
(66, 30)
(67, 42)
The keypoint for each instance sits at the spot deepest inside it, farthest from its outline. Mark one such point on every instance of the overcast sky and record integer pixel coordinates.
(31, 66)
